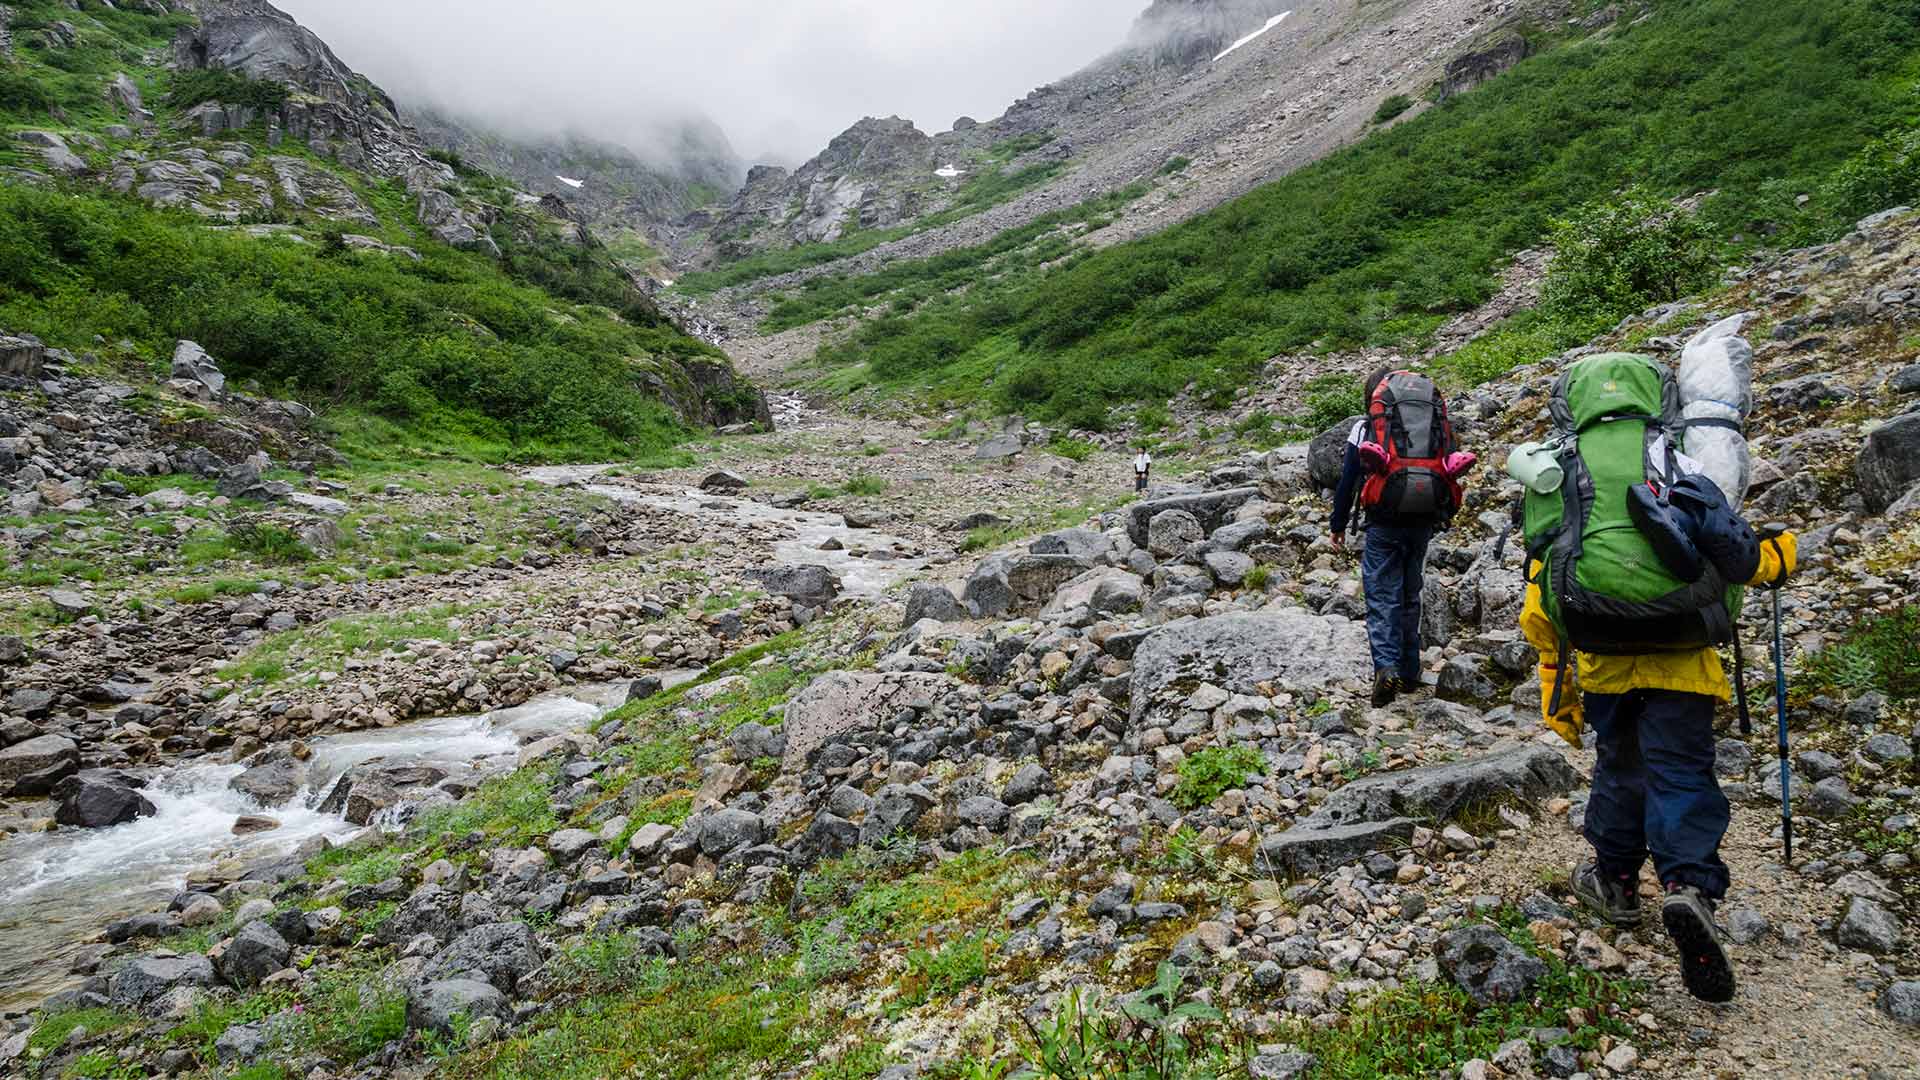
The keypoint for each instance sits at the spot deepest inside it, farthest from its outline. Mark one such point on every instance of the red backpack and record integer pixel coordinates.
(1407, 419)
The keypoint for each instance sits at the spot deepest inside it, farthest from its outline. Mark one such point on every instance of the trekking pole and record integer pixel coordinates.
(1780, 709)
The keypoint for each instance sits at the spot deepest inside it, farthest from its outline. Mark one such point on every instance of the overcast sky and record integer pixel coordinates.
(781, 76)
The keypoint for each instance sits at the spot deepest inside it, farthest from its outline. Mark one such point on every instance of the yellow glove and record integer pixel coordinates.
(1570, 721)
(1779, 558)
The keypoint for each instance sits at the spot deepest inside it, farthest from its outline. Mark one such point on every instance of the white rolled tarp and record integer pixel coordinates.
(1716, 384)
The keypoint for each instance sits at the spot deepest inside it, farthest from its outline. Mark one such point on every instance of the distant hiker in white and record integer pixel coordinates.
(1142, 465)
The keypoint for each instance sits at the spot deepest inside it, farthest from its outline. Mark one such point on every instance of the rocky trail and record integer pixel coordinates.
(880, 742)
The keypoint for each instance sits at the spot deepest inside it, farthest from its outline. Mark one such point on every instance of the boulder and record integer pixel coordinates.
(1901, 1002)
(448, 1005)
(936, 602)
(253, 953)
(1491, 969)
(724, 831)
(1018, 582)
(432, 909)
(1463, 679)
(1303, 851)
(1889, 463)
(807, 585)
(500, 953)
(33, 767)
(1029, 783)
(1327, 454)
(145, 979)
(828, 835)
(1211, 509)
(999, 448)
(272, 780)
(1102, 591)
(1441, 792)
(190, 361)
(1171, 532)
(97, 798)
(723, 480)
(1239, 651)
(1079, 543)
(843, 701)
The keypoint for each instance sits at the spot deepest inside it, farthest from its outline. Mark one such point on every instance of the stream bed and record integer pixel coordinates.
(60, 889)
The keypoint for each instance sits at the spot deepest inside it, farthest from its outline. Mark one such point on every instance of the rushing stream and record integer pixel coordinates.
(860, 575)
(59, 888)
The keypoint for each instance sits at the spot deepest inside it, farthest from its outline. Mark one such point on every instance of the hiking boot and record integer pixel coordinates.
(1386, 687)
(1704, 966)
(1615, 901)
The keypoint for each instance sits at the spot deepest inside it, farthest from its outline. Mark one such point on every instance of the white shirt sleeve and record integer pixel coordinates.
(1358, 435)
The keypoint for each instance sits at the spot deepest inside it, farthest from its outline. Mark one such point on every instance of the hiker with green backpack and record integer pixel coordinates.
(1636, 568)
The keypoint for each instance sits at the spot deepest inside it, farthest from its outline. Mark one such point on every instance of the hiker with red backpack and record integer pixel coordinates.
(1637, 563)
(1404, 466)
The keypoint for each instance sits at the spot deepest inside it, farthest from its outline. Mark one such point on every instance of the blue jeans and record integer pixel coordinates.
(1393, 570)
(1654, 788)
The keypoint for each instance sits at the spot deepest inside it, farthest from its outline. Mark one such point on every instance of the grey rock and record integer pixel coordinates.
(1029, 783)
(723, 481)
(1171, 532)
(1115, 899)
(845, 701)
(445, 1006)
(1463, 679)
(1229, 568)
(569, 844)
(1239, 651)
(1901, 1002)
(1889, 462)
(936, 602)
(272, 781)
(241, 1043)
(828, 835)
(254, 952)
(145, 979)
(1328, 453)
(98, 798)
(728, 830)
(500, 953)
(1865, 710)
(1732, 759)
(33, 767)
(1291, 1065)
(1747, 926)
(1441, 792)
(1887, 749)
(1869, 927)
(1302, 851)
(1818, 764)
(897, 808)
(813, 586)
(1079, 543)
(999, 448)
(1211, 509)
(983, 811)
(1018, 582)
(432, 909)
(1830, 798)
(1491, 969)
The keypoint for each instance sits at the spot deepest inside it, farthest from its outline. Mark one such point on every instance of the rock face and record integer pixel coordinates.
(843, 701)
(1441, 792)
(1183, 33)
(1889, 463)
(874, 175)
(1239, 651)
(1482, 64)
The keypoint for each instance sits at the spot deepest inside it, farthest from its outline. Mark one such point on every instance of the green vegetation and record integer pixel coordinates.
(1206, 773)
(191, 88)
(914, 280)
(1392, 108)
(63, 83)
(1383, 241)
(1881, 653)
(1175, 165)
(865, 484)
(1626, 253)
(331, 642)
(448, 351)
(1156, 1034)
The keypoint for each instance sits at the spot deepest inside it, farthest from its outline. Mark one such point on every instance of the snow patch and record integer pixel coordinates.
(571, 182)
(1271, 23)
(947, 172)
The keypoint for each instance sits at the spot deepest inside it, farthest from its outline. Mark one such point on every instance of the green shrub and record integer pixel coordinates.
(1881, 653)
(1331, 398)
(1206, 773)
(269, 543)
(1072, 449)
(1392, 108)
(191, 88)
(23, 94)
(866, 484)
(1624, 254)
(1175, 164)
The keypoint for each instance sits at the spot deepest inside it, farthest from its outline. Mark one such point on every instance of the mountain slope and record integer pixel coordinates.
(224, 177)
(1385, 241)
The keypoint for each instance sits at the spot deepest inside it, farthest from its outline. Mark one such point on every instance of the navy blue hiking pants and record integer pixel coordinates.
(1654, 791)
(1393, 571)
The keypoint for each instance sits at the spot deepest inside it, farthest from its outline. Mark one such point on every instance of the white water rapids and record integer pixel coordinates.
(59, 888)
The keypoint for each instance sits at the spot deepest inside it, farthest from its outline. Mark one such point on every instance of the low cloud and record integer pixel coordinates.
(781, 77)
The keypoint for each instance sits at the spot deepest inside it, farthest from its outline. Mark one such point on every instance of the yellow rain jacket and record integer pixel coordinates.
(1694, 672)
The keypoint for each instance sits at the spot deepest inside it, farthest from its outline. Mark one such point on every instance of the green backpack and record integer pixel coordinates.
(1616, 418)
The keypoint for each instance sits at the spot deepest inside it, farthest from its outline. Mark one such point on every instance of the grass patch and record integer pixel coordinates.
(1206, 773)
(1881, 653)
